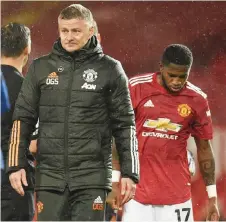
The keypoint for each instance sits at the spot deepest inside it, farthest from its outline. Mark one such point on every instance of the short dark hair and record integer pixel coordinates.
(14, 39)
(177, 54)
(76, 11)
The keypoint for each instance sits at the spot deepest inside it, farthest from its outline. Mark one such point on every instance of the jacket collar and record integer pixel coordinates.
(91, 48)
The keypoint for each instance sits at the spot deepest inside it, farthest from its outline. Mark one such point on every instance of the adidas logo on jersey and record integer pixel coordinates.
(149, 103)
(52, 79)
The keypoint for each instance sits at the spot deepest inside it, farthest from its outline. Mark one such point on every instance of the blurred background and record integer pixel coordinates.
(136, 33)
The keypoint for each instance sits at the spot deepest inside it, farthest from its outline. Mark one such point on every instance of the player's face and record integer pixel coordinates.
(74, 33)
(174, 76)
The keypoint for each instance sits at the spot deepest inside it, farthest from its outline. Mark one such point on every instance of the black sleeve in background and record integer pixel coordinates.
(123, 124)
(25, 117)
(13, 82)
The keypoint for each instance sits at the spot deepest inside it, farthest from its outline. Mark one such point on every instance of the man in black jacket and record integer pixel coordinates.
(81, 98)
(15, 48)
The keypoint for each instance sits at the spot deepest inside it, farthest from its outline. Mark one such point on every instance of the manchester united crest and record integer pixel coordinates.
(89, 75)
(184, 110)
(39, 206)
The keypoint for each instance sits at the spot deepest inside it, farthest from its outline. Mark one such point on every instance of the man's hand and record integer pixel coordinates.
(33, 146)
(15, 180)
(128, 188)
(113, 198)
(213, 212)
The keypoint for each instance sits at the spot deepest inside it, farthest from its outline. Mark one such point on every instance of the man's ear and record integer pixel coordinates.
(26, 51)
(91, 32)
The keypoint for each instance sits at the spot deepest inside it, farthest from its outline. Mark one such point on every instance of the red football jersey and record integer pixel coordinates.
(164, 122)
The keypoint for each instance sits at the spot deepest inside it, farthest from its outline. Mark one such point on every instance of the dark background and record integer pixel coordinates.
(136, 33)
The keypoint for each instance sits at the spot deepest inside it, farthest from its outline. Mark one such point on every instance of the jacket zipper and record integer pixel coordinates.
(66, 168)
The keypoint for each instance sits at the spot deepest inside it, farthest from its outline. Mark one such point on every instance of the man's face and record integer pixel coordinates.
(74, 33)
(174, 76)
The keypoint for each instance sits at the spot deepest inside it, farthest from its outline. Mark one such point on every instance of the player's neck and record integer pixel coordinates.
(15, 62)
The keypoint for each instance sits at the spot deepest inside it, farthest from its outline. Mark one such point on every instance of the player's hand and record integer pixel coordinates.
(213, 212)
(128, 188)
(113, 198)
(16, 179)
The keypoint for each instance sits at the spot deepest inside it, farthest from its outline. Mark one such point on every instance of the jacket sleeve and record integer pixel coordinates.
(24, 120)
(123, 124)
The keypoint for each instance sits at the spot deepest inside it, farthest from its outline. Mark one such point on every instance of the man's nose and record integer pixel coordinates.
(177, 81)
(69, 36)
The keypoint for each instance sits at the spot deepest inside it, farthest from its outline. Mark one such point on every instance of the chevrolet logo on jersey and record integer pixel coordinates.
(162, 124)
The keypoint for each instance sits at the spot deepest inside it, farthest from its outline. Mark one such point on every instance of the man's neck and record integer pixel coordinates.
(15, 62)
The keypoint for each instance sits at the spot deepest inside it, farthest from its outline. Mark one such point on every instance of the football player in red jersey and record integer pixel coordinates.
(168, 110)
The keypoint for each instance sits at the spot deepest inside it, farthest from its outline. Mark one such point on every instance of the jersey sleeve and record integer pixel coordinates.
(134, 93)
(202, 124)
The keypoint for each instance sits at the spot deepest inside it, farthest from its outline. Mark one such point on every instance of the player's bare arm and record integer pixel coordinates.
(207, 169)
(206, 161)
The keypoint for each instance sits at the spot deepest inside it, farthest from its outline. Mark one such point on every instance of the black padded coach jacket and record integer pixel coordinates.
(81, 100)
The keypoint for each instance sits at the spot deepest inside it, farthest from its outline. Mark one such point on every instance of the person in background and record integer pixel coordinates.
(15, 49)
